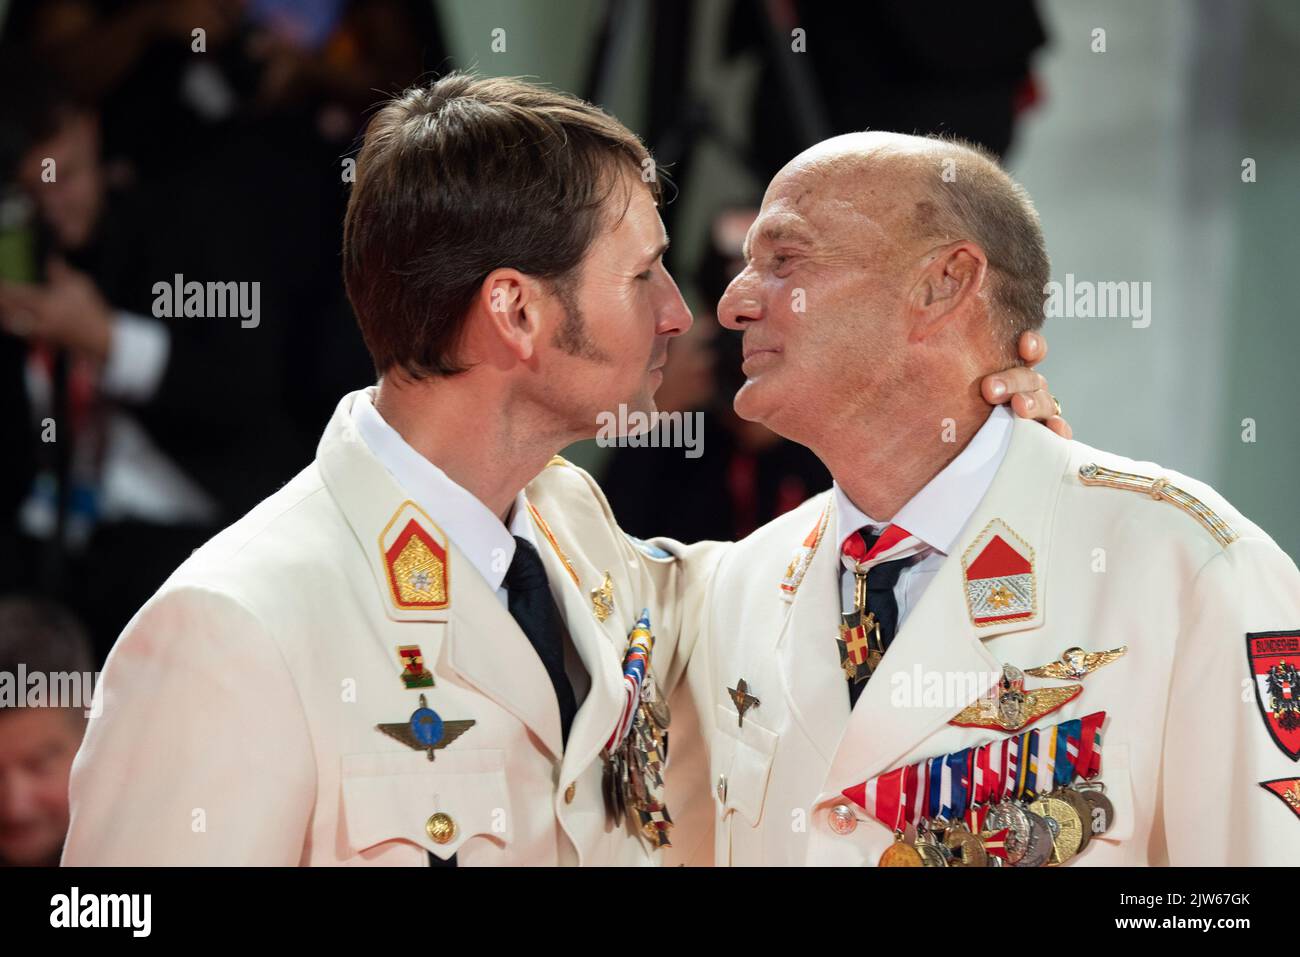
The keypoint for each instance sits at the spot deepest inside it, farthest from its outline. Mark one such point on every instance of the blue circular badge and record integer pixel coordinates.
(426, 726)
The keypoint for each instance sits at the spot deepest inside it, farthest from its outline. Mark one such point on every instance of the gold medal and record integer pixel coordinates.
(967, 849)
(927, 844)
(1082, 809)
(900, 854)
(1069, 831)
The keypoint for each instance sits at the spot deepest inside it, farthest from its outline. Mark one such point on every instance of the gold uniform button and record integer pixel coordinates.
(441, 828)
(570, 792)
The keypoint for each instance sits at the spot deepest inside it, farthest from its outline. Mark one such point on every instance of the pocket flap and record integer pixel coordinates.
(391, 796)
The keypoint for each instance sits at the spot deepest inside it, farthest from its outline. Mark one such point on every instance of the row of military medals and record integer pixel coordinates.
(940, 820)
(637, 751)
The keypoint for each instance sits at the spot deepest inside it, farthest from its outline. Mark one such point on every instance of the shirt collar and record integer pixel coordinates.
(938, 512)
(481, 537)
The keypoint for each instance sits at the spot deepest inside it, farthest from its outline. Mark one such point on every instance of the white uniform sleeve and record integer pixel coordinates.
(1218, 748)
(201, 755)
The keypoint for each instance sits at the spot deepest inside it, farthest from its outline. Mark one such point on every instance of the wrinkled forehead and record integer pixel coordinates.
(834, 203)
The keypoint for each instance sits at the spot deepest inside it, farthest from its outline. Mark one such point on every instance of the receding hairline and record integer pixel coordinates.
(862, 158)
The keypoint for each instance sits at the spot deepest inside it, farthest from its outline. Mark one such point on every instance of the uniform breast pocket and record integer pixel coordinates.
(437, 805)
(741, 759)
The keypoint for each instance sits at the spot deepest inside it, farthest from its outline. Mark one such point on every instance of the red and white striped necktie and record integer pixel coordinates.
(894, 543)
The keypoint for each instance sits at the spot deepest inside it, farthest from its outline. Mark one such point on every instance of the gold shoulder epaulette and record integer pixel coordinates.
(557, 460)
(1160, 490)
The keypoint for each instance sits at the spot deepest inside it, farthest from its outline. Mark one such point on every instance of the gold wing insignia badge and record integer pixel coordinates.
(1010, 707)
(1076, 663)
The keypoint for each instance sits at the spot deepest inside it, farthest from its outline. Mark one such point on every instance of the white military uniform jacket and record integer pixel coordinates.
(1195, 758)
(241, 705)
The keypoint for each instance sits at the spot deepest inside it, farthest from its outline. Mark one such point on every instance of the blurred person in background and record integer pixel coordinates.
(166, 96)
(140, 460)
(37, 744)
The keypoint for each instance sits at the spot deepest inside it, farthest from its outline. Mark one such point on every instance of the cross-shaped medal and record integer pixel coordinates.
(743, 701)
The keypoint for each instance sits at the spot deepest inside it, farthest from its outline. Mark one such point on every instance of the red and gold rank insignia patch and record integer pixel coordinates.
(1288, 789)
(999, 577)
(1274, 657)
(415, 558)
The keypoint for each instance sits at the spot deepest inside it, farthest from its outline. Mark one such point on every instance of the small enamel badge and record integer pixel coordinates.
(1009, 707)
(414, 674)
(602, 599)
(425, 730)
(1076, 663)
(1288, 789)
(999, 574)
(1273, 657)
(415, 558)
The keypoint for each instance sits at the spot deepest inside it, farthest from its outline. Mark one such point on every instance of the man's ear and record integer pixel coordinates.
(510, 301)
(951, 278)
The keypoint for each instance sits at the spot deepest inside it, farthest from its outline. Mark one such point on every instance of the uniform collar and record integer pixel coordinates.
(479, 534)
(938, 512)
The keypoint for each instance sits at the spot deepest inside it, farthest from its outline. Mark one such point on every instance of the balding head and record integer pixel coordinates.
(885, 275)
(937, 190)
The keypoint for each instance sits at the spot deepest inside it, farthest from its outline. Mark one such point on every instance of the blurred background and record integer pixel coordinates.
(1160, 141)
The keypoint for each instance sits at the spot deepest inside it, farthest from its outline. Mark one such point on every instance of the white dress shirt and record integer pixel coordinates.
(936, 514)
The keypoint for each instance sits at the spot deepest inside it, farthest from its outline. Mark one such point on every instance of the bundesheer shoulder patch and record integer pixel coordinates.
(1160, 490)
(650, 551)
(1273, 657)
(998, 568)
(415, 557)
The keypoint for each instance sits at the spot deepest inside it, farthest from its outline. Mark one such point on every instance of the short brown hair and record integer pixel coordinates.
(984, 204)
(462, 177)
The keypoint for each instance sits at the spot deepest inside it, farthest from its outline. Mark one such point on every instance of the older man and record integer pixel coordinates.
(420, 650)
(986, 643)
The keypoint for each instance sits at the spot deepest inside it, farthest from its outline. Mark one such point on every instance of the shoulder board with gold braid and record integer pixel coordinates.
(1160, 490)
(557, 460)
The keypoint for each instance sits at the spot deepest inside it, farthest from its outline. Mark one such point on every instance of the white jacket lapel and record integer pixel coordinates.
(572, 579)
(806, 649)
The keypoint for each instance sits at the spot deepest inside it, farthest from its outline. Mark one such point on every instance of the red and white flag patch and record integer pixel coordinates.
(1274, 657)
(999, 576)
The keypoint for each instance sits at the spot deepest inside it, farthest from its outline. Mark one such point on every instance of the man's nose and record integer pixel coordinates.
(739, 305)
(674, 316)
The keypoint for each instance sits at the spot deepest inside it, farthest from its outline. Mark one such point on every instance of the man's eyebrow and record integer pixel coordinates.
(774, 233)
(659, 250)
